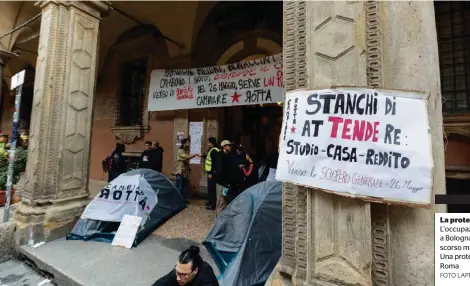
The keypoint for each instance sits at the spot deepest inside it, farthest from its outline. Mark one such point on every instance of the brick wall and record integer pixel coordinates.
(160, 123)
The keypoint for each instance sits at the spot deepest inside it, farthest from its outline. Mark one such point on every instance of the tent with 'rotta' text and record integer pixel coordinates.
(141, 192)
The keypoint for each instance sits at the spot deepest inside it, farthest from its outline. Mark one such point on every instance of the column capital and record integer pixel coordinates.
(6, 56)
(93, 8)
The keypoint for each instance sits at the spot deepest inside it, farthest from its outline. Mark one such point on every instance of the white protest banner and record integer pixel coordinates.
(371, 144)
(255, 82)
(125, 195)
(195, 134)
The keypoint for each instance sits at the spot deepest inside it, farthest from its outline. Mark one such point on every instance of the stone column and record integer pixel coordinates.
(406, 57)
(181, 124)
(326, 238)
(211, 129)
(56, 189)
(331, 240)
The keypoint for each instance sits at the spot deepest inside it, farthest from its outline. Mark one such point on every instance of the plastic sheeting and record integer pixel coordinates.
(246, 239)
(168, 203)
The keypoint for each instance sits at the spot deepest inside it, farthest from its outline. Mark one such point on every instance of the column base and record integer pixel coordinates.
(277, 278)
(48, 221)
(203, 186)
(7, 246)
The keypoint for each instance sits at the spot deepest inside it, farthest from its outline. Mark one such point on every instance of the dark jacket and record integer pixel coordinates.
(205, 277)
(115, 164)
(229, 174)
(158, 159)
(118, 163)
(147, 160)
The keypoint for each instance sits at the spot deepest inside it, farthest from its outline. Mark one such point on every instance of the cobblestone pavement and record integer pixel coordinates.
(192, 223)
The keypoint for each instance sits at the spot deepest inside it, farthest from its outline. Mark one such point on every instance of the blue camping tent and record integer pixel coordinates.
(246, 239)
(140, 192)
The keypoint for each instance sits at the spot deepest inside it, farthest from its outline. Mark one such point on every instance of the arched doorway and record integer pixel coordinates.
(236, 32)
(257, 127)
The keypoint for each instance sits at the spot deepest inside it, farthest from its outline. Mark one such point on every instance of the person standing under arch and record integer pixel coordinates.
(158, 156)
(182, 168)
(210, 166)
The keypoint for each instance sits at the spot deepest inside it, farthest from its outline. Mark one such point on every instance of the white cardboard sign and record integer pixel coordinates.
(255, 82)
(371, 144)
(127, 231)
(17, 79)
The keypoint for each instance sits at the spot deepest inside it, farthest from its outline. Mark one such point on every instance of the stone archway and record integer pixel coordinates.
(12, 15)
(141, 45)
(246, 50)
(130, 38)
(235, 30)
(251, 45)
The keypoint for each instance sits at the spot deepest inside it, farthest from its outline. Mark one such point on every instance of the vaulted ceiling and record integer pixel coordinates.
(178, 21)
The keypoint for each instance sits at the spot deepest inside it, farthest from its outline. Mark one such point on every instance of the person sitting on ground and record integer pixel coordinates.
(190, 270)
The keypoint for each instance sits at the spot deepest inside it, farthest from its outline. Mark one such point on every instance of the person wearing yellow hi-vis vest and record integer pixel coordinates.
(210, 167)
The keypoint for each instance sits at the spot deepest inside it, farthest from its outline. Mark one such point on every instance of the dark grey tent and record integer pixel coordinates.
(139, 192)
(245, 241)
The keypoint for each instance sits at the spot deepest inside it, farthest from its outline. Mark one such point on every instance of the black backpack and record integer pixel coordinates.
(107, 163)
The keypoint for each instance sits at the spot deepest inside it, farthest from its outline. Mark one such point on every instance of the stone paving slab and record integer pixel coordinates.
(80, 263)
(15, 273)
(100, 264)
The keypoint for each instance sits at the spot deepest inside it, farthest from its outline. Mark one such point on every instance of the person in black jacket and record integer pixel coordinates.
(247, 166)
(158, 156)
(115, 164)
(210, 166)
(231, 176)
(147, 159)
(190, 270)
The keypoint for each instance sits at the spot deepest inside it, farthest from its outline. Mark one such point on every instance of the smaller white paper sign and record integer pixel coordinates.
(126, 232)
(17, 79)
(272, 175)
(195, 133)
